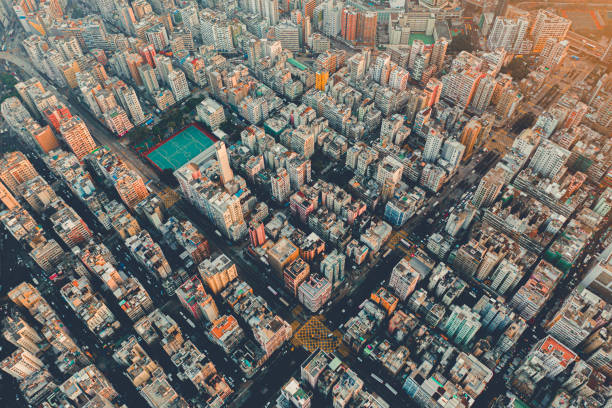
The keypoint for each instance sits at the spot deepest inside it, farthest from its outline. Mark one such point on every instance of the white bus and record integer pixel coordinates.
(390, 388)
(275, 293)
(377, 378)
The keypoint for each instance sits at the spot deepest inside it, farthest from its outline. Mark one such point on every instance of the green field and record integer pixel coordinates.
(427, 39)
(180, 149)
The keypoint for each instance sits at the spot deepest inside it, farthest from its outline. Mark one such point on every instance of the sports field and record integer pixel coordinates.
(427, 39)
(180, 148)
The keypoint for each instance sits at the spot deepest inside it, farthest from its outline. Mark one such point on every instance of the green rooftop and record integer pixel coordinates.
(297, 64)
(427, 39)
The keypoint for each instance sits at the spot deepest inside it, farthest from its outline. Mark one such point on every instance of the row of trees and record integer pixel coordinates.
(174, 118)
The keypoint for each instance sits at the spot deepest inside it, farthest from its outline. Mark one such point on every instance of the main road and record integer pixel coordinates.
(101, 134)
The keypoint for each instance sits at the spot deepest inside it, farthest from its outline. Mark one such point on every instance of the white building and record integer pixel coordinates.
(178, 85)
(281, 185)
(548, 159)
(211, 113)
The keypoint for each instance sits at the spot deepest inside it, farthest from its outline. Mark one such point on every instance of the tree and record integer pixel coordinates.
(517, 68)
(461, 42)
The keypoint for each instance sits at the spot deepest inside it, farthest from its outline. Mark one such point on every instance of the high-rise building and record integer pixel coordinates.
(417, 47)
(332, 267)
(581, 314)
(382, 68)
(314, 292)
(438, 54)
(548, 25)
(289, 35)
(357, 66)
(43, 137)
(117, 121)
(157, 36)
(225, 171)
(130, 187)
(15, 169)
(553, 53)
(270, 10)
(462, 324)
(178, 85)
(127, 18)
(282, 254)
(21, 334)
(163, 66)
(460, 85)
(77, 136)
(489, 187)
(131, 103)
(531, 297)
(281, 185)
(548, 358)
(149, 79)
(164, 99)
(6, 198)
(299, 170)
(348, 24)
(366, 28)
(452, 152)
(312, 368)
(484, 94)
(294, 395)
(257, 233)
(433, 144)
(421, 62)
(599, 278)
(432, 177)
(133, 61)
(189, 17)
(505, 277)
(508, 34)
(294, 274)
(216, 30)
(21, 364)
(389, 169)
(508, 102)
(198, 303)
(211, 113)
(548, 159)
(332, 18)
(469, 136)
(404, 279)
(147, 52)
(218, 272)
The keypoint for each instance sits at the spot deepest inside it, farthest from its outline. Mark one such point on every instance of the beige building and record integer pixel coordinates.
(218, 273)
(75, 133)
(282, 254)
(15, 169)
